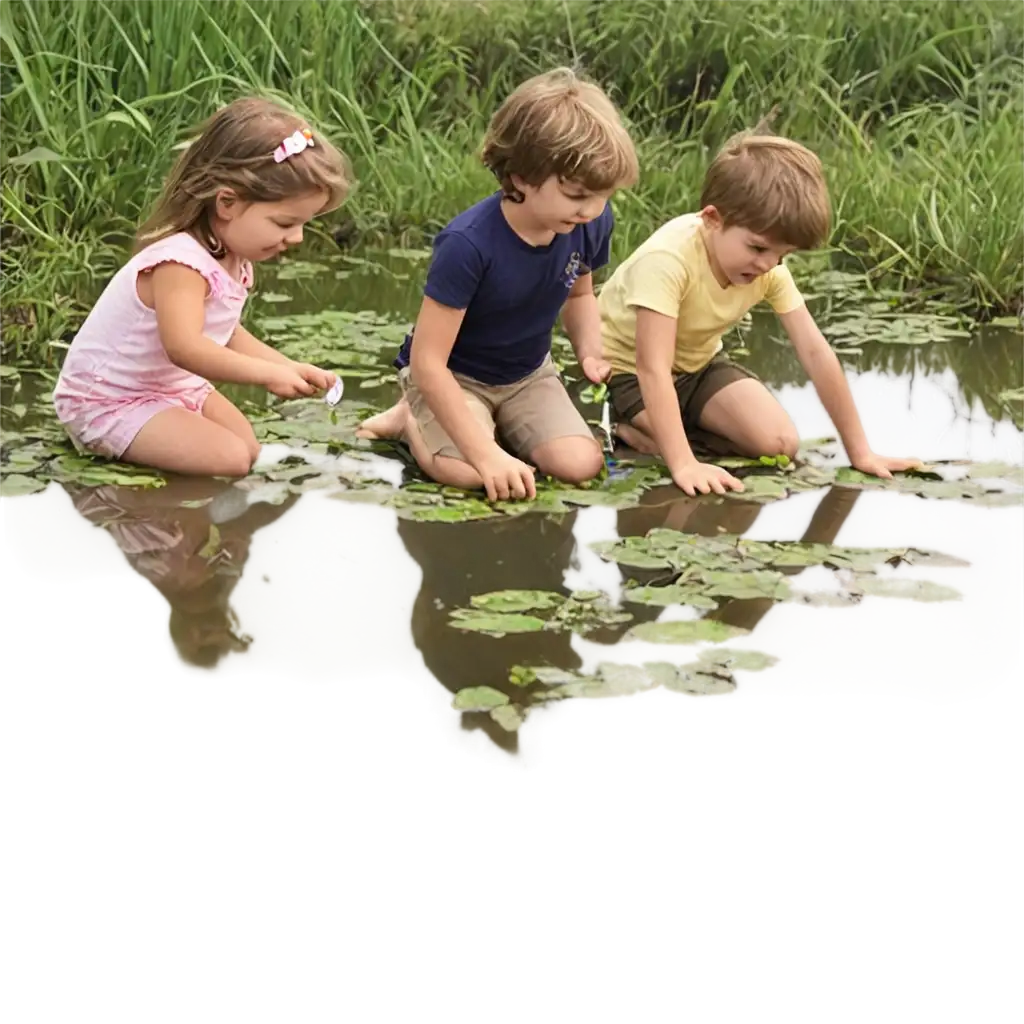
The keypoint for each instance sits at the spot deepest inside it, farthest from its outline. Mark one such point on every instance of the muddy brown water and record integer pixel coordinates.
(254, 777)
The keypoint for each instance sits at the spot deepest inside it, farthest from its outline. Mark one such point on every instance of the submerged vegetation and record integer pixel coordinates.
(915, 109)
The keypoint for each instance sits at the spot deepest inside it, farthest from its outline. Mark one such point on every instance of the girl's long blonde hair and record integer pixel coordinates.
(235, 150)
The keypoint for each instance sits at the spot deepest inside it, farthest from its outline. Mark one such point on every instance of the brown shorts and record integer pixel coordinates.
(694, 389)
(524, 415)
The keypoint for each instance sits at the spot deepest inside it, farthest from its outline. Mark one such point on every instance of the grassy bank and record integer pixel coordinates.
(916, 110)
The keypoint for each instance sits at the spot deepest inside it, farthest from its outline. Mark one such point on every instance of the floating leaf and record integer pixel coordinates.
(755, 583)
(681, 593)
(508, 716)
(747, 661)
(687, 631)
(996, 471)
(699, 681)
(518, 600)
(410, 254)
(761, 488)
(916, 590)
(494, 625)
(451, 513)
(294, 270)
(17, 484)
(479, 698)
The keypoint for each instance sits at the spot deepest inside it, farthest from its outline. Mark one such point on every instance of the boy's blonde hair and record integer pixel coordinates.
(771, 186)
(235, 150)
(559, 124)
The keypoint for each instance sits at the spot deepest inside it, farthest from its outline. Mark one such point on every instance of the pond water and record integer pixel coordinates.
(315, 592)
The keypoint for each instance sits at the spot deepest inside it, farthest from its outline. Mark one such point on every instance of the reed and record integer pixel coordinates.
(916, 110)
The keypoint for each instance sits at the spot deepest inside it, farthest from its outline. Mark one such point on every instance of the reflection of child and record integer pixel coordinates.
(173, 547)
(478, 362)
(664, 310)
(135, 383)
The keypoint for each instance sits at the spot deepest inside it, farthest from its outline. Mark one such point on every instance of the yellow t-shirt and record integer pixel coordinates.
(671, 275)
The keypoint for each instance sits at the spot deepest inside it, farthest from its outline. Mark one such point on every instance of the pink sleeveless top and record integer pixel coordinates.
(118, 354)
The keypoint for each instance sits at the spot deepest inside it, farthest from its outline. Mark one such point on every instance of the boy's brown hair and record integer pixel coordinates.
(559, 124)
(771, 186)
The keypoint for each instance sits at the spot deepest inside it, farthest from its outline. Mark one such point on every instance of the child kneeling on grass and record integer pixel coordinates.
(135, 384)
(477, 365)
(665, 309)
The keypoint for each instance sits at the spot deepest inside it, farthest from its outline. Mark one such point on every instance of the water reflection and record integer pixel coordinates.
(318, 592)
(191, 540)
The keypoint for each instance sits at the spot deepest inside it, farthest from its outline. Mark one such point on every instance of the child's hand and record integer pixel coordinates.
(321, 379)
(506, 477)
(699, 477)
(285, 381)
(882, 466)
(596, 370)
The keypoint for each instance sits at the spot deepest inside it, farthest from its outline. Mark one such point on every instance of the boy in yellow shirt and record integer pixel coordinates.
(665, 309)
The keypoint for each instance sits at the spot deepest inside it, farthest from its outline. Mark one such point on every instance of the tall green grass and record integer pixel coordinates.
(915, 108)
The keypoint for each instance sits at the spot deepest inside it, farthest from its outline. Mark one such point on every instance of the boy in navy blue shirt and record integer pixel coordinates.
(477, 365)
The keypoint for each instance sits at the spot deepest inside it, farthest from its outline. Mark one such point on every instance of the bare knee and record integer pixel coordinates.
(453, 472)
(236, 458)
(573, 460)
(786, 442)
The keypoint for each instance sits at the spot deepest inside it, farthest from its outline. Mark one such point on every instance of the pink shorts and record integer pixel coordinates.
(107, 426)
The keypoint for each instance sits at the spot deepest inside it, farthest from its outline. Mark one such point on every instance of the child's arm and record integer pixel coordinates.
(826, 373)
(655, 349)
(582, 322)
(248, 345)
(178, 296)
(437, 327)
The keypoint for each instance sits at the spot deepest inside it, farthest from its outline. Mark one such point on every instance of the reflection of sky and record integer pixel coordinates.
(328, 589)
(923, 416)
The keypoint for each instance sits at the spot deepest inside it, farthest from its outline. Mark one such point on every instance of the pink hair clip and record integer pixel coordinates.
(292, 145)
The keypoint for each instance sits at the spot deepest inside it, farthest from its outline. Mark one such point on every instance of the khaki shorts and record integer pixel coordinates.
(694, 390)
(523, 415)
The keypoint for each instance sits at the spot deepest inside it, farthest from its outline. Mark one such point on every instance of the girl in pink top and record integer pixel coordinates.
(136, 381)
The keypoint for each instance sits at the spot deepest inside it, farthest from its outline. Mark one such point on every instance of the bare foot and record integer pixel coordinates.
(386, 426)
(636, 438)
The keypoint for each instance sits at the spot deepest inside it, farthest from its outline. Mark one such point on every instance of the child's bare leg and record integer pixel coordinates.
(441, 468)
(187, 442)
(636, 436)
(388, 425)
(750, 417)
(225, 413)
(573, 460)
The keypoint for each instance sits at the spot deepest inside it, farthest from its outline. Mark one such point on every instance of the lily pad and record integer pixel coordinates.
(996, 471)
(17, 484)
(680, 593)
(479, 698)
(761, 488)
(688, 631)
(494, 625)
(916, 590)
(702, 681)
(518, 600)
(754, 583)
(570, 614)
(508, 716)
(747, 661)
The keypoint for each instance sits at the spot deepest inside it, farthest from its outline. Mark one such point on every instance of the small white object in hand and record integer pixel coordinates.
(333, 397)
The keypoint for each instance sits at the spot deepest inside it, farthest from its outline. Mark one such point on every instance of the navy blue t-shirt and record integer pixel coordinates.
(512, 291)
